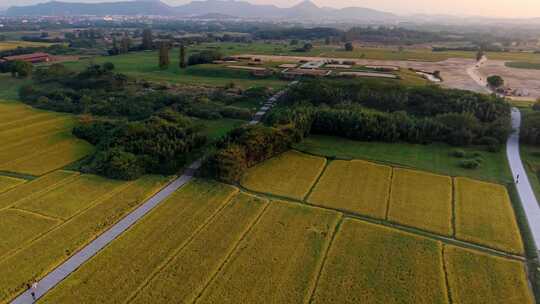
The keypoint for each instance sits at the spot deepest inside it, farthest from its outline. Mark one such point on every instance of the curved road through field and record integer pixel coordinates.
(525, 191)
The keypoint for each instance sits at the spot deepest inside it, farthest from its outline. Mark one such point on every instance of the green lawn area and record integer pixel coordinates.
(144, 65)
(523, 65)
(216, 129)
(9, 87)
(435, 157)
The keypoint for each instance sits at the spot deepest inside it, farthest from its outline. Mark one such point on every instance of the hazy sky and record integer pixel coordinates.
(498, 8)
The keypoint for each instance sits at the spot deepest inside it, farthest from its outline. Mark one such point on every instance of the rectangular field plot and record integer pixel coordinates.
(35, 187)
(67, 200)
(8, 183)
(18, 227)
(291, 174)
(129, 261)
(355, 186)
(41, 256)
(421, 200)
(478, 278)
(375, 264)
(195, 265)
(484, 215)
(57, 156)
(279, 259)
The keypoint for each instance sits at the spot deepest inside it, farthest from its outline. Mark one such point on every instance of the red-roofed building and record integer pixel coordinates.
(32, 58)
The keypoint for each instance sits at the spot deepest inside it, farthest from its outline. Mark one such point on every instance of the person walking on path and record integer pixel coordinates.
(34, 289)
(517, 179)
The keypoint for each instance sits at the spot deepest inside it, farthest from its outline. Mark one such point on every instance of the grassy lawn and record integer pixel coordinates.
(530, 155)
(144, 65)
(215, 129)
(435, 158)
(523, 65)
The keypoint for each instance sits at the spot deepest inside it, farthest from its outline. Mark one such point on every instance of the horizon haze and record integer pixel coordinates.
(484, 8)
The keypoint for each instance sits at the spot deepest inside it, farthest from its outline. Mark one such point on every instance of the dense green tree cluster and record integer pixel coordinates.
(127, 150)
(203, 57)
(244, 147)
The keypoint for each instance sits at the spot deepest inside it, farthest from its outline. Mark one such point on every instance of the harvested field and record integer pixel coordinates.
(18, 227)
(69, 199)
(42, 255)
(35, 187)
(355, 186)
(8, 183)
(11, 45)
(279, 259)
(478, 278)
(195, 264)
(374, 264)
(484, 215)
(128, 262)
(291, 174)
(422, 200)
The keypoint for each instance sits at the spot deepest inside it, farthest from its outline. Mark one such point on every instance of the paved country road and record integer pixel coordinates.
(73, 263)
(526, 194)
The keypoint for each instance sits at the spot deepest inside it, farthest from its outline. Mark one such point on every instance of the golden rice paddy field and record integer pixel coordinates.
(355, 186)
(291, 174)
(488, 221)
(45, 221)
(7, 183)
(422, 200)
(210, 243)
(37, 142)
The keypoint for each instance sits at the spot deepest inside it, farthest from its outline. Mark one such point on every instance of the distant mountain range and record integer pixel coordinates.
(306, 10)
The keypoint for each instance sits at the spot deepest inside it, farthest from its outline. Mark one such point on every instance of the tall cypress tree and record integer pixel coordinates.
(183, 63)
(147, 42)
(164, 55)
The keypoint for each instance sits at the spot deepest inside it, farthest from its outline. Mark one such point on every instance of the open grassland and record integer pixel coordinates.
(17, 227)
(8, 183)
(434, 157)
(35, 187)
(374, 264)
(11, 45)
(37, 142)
(216, 129)
(34, 259)
(354, 186)
(129, 261)
(478, 278)
(484, 215)
(144, 65)
(69, 199)
(279, 259)
(197, 263)
(291, 174)
(421, 200)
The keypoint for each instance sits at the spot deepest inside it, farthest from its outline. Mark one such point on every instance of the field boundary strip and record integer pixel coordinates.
(324, 258)
(35, 213)
(446, 279)
(388, 201)
(232, 251)
(312, 188)
(167, 260)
